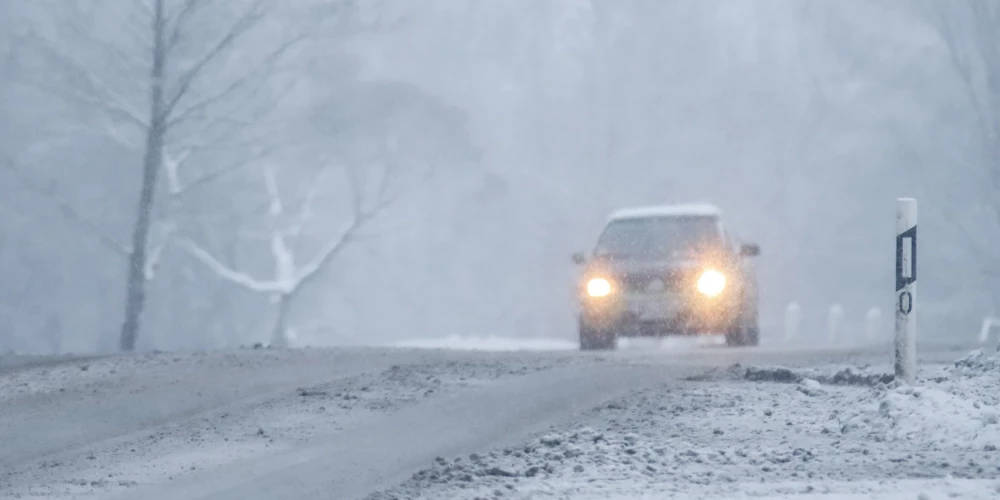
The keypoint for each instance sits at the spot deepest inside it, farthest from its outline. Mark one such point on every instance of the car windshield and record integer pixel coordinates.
(657, 236)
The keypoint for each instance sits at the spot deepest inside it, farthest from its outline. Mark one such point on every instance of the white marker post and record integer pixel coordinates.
(793, 320)
(834, 322)
(906, 290)
(989, 323)
(873, 324)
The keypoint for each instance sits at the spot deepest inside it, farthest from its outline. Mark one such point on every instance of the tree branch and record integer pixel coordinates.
(100, 94)
(235, 85)
(305, 210)
(187, 10)
(110, 132)
(337, 245)
(961, 65)
(247, 21)
(156, 254)
(144, 41)
(228, 274)
(110, 108)
(333, 248)
(69, 211)
(986, 20)
(284, 260)
(171, 169)
(219, 172)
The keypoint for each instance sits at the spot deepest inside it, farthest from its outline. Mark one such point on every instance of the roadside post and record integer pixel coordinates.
(834, 322)
(873, 324)
(989, 323)
(906, 290)
(793, 321)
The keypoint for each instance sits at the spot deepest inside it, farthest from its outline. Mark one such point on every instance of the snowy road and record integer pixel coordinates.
(406, 423)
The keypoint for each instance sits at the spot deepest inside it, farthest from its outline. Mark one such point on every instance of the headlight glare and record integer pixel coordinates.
(711, 283)
(598, 287)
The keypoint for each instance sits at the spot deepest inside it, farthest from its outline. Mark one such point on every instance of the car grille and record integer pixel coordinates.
(644, 282)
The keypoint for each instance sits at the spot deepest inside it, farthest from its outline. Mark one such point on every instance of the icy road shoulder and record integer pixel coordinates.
(261, 424)
(86, 428)
(738, 436)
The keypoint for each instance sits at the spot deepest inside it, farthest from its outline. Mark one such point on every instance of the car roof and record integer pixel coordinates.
(674, 210)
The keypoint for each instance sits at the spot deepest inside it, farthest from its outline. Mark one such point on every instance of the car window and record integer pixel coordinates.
(657, 236)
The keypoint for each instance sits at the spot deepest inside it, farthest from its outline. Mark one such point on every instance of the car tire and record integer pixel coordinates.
(736, 336)
(751, 330)
(744, 330)
(752, 336)
(595, 340)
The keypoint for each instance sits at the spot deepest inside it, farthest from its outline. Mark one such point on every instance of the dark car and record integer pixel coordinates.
(667, 270)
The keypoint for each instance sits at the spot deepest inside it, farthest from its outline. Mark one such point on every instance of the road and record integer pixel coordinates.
(333, 423)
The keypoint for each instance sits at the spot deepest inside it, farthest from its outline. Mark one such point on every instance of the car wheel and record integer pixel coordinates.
(753, 335)
(744, 330)
(595, 340)
(752, 330)
(736, 336)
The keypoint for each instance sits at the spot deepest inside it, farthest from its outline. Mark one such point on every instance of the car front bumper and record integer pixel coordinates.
(638, 315)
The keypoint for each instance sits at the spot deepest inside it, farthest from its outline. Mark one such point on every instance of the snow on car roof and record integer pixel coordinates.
(703, 209)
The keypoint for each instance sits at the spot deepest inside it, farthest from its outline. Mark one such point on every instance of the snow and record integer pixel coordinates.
(933, 416)
(765, 433)
(958, 406)
(550, 423)
(266, 402)
(810, 387)
(489, 343)
(834, 490)
(511, 343)
(672, 343)
(691, 209)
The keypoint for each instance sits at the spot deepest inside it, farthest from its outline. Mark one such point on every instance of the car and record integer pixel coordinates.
(667, 270)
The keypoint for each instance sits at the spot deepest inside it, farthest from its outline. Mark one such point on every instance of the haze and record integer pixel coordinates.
(467, 149)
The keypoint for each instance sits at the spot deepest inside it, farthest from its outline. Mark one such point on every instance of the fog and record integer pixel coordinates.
(379, 171)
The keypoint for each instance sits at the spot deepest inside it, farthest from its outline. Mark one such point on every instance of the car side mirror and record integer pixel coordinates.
(579, 258)
(750, 250)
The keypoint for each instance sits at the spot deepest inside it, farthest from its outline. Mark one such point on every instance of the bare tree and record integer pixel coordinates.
(286, 225)
(380, 142)
(969, 31)
(202, 89)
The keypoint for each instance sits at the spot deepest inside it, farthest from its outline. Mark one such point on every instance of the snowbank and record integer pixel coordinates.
(766, 433)
(958, 406)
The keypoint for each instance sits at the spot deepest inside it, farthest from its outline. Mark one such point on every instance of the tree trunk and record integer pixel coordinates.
(136, 283)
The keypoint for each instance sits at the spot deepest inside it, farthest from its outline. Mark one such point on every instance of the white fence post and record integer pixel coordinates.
(834, 321)
(793, 320)
(989, 323)
(873, 324)
(906, 290)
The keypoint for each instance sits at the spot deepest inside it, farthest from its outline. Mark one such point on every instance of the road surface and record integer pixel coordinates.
(404, 423)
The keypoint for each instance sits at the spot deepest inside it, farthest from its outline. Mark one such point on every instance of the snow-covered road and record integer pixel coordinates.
(383, 423)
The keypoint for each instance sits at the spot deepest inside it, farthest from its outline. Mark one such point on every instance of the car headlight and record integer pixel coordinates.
(711, 283)
(598, 287)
